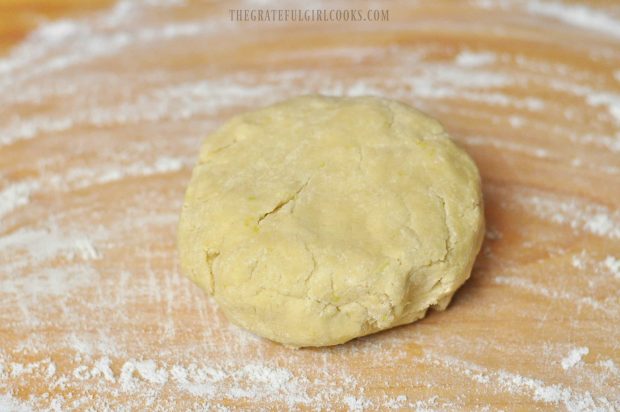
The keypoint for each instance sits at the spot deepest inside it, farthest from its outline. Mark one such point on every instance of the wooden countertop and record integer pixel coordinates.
(103, 110)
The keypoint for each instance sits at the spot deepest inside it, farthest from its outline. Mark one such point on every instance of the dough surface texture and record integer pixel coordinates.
(320, 219)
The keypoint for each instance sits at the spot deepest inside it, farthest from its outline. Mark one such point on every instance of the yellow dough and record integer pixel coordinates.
(321, 219)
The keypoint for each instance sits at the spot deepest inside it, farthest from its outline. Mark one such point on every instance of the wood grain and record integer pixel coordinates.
(20, 17)
(102, 114)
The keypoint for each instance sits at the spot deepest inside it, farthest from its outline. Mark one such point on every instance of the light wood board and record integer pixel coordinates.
(102, 113)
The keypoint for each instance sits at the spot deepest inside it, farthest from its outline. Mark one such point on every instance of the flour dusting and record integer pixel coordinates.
(577, 15)
(574, 357)
(16, 195)
(474, 59)
(113, 107)
(575, 213)
(613, 264)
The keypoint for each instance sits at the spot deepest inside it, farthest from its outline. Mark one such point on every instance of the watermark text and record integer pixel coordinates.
(309, 15)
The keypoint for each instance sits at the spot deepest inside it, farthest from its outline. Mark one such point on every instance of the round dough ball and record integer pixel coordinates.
(321, 219)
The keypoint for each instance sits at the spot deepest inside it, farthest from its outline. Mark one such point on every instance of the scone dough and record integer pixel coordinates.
(321, 219)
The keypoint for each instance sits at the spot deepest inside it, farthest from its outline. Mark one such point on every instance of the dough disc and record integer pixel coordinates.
(321, 219)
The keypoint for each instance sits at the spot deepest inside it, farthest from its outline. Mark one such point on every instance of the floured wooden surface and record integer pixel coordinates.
(101, 118)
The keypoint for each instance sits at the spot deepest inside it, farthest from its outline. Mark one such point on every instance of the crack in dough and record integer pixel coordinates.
(210, 257)
(282, 203)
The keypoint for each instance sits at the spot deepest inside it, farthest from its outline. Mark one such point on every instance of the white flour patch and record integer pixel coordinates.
(82, 177)
(81, 373)
(17, 369)
(577, 15)
(504, 381)
(16, 195)
(468, 58)
(574, 357)
(51, 370)
(146, 109)
(498, 143)
(397, 403)
(555, 294)
(20, 130)
(47, 37)
(82, 42)
(610, 366)
(592, 97)
(578, 263)
(611, 100)
(44, 244)
(149, 371)
(613, 264)
(183, 101)
(516, 121)
(8, 403)
(127, 381)
(49, 282)
(609, 142)
(607, 266)
(356, 404)
(493, 233)
(104, 367)
(256, 381)
(576, 213)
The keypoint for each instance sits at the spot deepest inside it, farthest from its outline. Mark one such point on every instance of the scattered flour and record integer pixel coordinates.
(101, 368)
(610, 365)
(149, 371)
(41, 245)
(504, 381)
(538, 152)
(80, 178)
(8, 403)
(51, 282)
(556, 294)
(613, 264)
(468, 58)
(232, 380)
(610, 265)
(81, 373)
(579, 261)
(574, 357)
(355, 404)
(104, 367)
(51, 370)
(16, 369)
(576, 213)
(16, 195)
(397, 403)
(577, 15)
(593, 97)
(127, 380)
